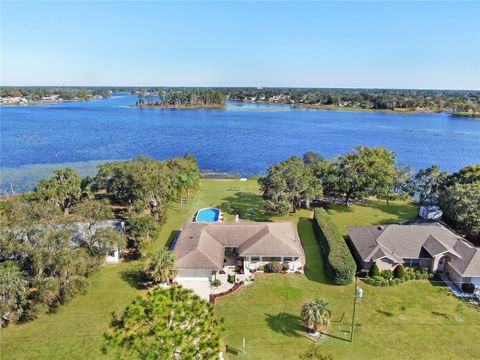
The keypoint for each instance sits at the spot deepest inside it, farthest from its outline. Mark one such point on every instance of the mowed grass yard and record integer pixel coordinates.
(413, 320)
(76, 330)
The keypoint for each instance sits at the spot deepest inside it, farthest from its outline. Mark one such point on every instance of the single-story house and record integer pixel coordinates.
(202, 250)
(80, 230)
(429, 245)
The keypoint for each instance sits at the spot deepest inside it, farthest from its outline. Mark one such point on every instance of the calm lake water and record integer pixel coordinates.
(244, 139)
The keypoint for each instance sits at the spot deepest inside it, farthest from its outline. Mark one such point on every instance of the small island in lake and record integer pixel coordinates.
(182, 99)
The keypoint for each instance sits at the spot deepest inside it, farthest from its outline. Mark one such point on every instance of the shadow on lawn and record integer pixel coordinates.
(285, 324)
(247, 205)
(314, 269)
(131, 275)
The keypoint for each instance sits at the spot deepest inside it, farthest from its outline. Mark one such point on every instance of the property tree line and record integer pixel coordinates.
(380, 99)
(371, 172)
(182, 97)
(36, 93)
(43, 263)
(454, 101)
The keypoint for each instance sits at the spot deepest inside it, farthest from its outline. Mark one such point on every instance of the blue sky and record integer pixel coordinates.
(313, 44)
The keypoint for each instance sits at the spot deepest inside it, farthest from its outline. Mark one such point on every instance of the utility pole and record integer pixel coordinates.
(354, 304)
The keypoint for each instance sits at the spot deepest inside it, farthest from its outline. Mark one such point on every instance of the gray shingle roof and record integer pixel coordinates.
(201, 245)
(408, 241)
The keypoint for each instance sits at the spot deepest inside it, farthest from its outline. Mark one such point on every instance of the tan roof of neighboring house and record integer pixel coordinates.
(415, 241)
(201, 245)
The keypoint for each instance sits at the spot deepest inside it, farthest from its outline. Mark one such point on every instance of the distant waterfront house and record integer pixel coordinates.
(428, 245)
(80, 231)
(204, 250)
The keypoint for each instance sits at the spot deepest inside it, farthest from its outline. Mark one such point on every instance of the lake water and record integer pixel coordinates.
(244, 139)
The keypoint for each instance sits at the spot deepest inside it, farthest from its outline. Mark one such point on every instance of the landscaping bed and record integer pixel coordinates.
(399, 275)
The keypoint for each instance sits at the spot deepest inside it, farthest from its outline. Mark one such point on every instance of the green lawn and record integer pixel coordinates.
(413, 320)
(75, 331)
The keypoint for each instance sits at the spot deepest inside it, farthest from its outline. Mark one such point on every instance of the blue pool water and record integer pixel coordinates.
(208, 215)
(243, 140)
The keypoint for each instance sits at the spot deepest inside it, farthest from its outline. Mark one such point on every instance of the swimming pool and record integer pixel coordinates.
(208, 215)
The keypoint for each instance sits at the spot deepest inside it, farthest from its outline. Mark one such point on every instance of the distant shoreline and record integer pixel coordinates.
(357, 109)
(180, 107)
(41, 102)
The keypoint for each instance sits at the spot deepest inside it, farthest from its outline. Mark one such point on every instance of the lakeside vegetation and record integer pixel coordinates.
(403, 101)
(44, 262)
(10, 95)
(371, 173)
(182, 99)
(390, 100)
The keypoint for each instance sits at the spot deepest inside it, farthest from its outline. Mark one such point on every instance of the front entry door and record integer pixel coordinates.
(441, 265)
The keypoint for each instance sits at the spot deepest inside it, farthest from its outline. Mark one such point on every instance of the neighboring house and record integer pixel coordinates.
(80, 230)
(428, 245)
(203, 250)
(79, 233)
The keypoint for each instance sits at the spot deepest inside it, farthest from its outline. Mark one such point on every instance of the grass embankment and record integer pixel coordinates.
(411, 320)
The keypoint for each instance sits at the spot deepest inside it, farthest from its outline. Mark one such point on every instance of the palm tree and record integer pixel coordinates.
(316, 315)
(161, 267)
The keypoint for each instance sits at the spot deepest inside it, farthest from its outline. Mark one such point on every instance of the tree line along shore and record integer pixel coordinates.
(455, 102)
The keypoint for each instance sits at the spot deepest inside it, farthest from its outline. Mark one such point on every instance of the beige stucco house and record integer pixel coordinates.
(204, 250)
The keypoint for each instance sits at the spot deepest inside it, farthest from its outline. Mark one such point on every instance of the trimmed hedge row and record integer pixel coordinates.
(339, 263)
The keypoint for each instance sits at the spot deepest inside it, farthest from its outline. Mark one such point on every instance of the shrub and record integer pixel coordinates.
(285, 266)
(231, 278)
(363, 273)
(378, 277)
(418, 275)
(261, 268)
(399, 271)
(392, 282)
(374, 270)
(216, 283)
(370, 281)
(424, 275)
(377, 283)
(430, 275)
(340, 265)
(273, 267)
(385, 283)
(387, 274)
(397, 281)
(469, 288)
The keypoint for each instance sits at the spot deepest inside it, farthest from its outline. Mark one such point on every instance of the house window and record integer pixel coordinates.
(288, 259)
(412, 262)
(271, 258)
(254, 258)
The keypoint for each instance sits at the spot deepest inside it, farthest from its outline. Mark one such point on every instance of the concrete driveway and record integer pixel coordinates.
(201, 287)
